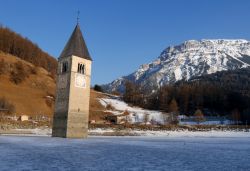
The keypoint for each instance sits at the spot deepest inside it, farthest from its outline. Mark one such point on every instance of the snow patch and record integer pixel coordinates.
(136, 114)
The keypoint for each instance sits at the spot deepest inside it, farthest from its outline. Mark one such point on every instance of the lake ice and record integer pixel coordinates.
(124, 153)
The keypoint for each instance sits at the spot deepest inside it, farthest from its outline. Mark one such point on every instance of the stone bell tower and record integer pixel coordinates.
(73, 89)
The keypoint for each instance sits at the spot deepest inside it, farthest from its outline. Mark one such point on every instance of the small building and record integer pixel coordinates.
(24, 118)
(119, 119)
(92, 121)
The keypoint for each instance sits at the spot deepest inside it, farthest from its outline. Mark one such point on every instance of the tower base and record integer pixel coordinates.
(73, 126)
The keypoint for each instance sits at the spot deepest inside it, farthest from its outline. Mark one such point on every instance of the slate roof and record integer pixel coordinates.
(76, 45)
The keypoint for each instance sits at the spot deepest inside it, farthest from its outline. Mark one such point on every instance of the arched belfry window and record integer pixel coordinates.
(65, 67)
(81, 68)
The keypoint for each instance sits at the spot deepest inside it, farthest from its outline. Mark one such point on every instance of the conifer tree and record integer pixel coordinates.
(199, 116)
(173, 109)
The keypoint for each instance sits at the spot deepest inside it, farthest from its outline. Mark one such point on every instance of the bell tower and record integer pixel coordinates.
(73, 89)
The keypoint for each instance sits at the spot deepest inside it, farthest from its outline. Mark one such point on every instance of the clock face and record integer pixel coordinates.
(80, 81)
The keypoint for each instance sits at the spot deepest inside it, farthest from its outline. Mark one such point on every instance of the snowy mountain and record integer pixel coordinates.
(189, 59)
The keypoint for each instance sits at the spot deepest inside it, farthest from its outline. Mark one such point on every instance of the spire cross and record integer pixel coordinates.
(77, 19)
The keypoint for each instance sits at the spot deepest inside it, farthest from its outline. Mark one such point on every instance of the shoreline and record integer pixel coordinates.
(46, 132)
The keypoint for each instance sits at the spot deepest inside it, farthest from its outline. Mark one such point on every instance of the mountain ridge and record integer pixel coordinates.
(190, 59)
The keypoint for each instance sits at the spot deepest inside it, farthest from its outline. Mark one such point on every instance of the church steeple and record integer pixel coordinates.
(73, 89)
(76, 45)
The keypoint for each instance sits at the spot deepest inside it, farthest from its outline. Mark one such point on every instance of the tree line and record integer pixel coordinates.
(15, 44)
(221, 94)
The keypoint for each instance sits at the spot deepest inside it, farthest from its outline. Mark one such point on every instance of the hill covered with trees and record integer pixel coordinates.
(225, 93)
(16, 45)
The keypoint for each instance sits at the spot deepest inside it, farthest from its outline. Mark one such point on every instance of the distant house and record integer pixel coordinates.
(24, 118)
(92, 121)
(118, 119)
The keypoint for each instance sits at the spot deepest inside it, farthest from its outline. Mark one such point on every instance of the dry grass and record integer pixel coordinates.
(96, 109)
(28, 96)
(9, 124)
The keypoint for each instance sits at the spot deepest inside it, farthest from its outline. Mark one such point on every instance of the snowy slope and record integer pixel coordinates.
(136, 114)
(192, 58)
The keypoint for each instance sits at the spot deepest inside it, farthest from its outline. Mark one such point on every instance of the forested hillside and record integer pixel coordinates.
(237, 81)
(224, 93)
(14, 44)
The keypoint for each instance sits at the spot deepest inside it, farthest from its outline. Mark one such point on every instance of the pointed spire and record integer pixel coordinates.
(76, 45)
(78, 18)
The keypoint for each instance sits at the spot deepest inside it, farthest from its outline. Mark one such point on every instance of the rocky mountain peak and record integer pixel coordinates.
(189, 59)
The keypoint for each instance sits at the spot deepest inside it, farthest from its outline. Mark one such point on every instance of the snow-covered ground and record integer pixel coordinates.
(181, 133)
(136, 114)
(125, 153)
(215, 122)
(143, 133)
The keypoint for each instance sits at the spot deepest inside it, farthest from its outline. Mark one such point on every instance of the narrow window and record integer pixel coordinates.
(80, 68)
(64, 67)
(83, 69)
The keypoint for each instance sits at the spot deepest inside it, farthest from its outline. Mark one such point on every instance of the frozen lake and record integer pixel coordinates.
(124, 153)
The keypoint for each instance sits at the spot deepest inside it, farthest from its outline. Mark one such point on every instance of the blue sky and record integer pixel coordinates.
(123, 34)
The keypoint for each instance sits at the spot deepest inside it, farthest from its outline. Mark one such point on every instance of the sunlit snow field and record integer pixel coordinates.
(125, 153)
